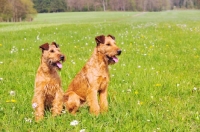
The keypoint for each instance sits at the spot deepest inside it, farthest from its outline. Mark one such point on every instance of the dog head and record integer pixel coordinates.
(72, 101)
(51, 55)
(106, 45)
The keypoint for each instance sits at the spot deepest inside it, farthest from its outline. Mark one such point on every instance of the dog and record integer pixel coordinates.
(93, 78)
(48, 93)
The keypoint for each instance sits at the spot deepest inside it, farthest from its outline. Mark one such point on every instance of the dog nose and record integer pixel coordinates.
(119, 52)
(62, 57)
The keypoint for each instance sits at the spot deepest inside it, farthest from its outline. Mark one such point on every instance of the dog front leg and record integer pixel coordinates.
(57, 104)
(38, 106)
(93, 102)
(103, 100)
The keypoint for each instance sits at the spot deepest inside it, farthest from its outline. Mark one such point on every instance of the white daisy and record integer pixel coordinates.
(34, 105)
(74, 123)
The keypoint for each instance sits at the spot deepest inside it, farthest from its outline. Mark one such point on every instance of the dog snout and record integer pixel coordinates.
(62, 57)
(119, 52)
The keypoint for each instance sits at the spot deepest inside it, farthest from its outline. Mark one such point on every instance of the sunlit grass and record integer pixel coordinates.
(155, 85)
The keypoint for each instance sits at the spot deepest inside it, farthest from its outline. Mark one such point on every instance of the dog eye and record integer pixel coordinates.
(108, 44)
(51, 51)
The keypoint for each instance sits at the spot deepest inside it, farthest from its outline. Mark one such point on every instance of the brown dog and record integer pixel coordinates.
(93, 78)
(48, 93)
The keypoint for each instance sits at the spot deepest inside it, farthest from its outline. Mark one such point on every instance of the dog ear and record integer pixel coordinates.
(100, 39)
(44, 47)
(54, 43)
(111, 36)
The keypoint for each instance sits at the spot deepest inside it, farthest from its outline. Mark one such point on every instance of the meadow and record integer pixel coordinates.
(155, 86)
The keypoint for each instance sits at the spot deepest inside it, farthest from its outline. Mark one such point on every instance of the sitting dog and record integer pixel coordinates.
(93, 78)
(48, 93)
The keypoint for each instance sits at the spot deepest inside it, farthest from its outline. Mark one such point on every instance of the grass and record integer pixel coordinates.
(155, 85)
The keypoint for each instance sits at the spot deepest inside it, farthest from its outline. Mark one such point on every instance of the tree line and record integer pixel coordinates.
(114, 5)
(18, 10)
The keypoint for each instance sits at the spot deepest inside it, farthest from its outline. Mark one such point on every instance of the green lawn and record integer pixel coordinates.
(155, 86)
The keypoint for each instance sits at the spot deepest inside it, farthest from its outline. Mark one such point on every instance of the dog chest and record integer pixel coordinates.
(50, 89)
(103, 82)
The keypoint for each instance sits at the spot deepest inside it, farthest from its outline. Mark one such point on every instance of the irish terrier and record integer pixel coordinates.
(48, 93)
(93, 78)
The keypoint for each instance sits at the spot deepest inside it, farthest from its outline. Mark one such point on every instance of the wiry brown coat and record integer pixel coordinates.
(93, 78)
(48, 93)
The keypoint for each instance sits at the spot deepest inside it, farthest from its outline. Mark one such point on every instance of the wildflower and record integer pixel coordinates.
(140, 102)
(148, 120)
(139, 66)
(1, 62)
(14, 49)
(1, 109)
(28, 120)
(0, 44)
(128, 90)
(13, 101)
(136, 92)
(151, 47)
(63, 111)
(74, 123)
(38, 37)
(12, 93)
(158, 85)
(194, 88)
(177, 85)
(1, 79)
(82, 130)
(72, 61)
(34, 105)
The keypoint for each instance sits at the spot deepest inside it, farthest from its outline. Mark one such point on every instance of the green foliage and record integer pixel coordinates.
(155, 85)
(5, 10)
(16, 10)
(50, 5)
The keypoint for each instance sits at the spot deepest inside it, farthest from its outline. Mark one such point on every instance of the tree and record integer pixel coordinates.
(16, 10)
(104, 5)
(50, 5)
(197, 4)
(5, 10)
(57, 6)
(28, 7)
